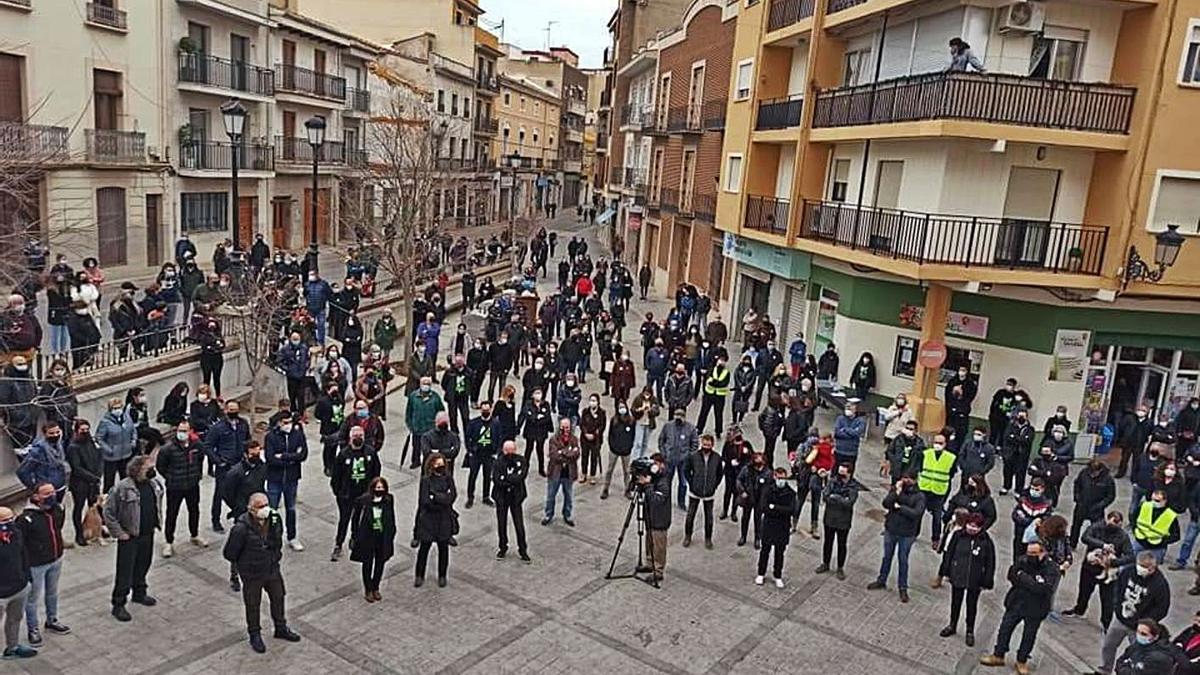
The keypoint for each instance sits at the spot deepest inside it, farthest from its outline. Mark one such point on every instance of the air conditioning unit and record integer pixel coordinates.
(1022, 17)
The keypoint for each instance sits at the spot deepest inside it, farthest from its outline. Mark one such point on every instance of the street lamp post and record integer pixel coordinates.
(515, 162)
(315, 128)
(234, 115)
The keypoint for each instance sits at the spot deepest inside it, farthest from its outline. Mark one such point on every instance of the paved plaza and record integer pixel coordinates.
(558, 613)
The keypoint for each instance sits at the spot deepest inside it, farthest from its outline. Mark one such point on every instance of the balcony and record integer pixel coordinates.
(213, 156)
(634, 179)
(576, 107)
(615, 176)
(297, 80)
(967, 241)
(214, 71)
(684, 119)
(767, 214)
(484, 125)
(784, 13)
(456, 163)
(488, 84)
(712, 114)
(669, 200)
(357, 158)
(358, 101)
(107, 17)
(108, 146)
(298, 151)
(33, 143)
(606, 99)
(779, 113)
(989, 98)
(839, 5)
(602, 143)
(704, 207)
(636, 116)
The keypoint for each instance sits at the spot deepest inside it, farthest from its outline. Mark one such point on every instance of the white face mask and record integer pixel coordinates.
(1143, 571)
(285, 428)
(263, 513)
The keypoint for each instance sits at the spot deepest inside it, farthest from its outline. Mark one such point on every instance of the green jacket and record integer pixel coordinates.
(421, 411)
(385, 334)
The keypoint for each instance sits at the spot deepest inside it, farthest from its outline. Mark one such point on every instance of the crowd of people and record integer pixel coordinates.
(682, 405)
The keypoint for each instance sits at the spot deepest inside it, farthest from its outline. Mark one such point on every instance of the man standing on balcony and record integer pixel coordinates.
(961, 57)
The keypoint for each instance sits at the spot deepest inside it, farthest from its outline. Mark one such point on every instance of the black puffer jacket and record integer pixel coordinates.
(839, 496)
(435, 511)
(904, 512)
(777, 506)
(181, 464)
(704, 473)
(1093, 493)
(1160, 657)
(969, 561)
(255, 552)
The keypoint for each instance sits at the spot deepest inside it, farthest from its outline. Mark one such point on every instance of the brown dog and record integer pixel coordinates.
(93, 523)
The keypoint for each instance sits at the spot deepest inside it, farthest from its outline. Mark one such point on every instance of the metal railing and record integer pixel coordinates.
(601, 142)
(779, 113)
(457, 163)
(970, 241)
(487, 125)
(33, 142)
(615, 175)
(636, 115)
(110, 145)
(298, 150)
(634, 179)
(704, 207)
(358, 100)
(767, 214)
(215, 156)
(112, 353)
(357, 158)
(839, 5)
(304, 81)
(784, 13)
(684, 118)
(106, 16)
(712, 114)
(487, 83)
(1004, 99)
(218, 72)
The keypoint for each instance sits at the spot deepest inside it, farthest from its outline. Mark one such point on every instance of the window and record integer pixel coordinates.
(854, 67)
(733, 173)
(458, 18)
(745, 78)
(840, 180)
(905, 362)
(453, 146)
(453, 104)
(537, 106)
(522, 103)
(467, 107)
(664, 101)
(112, 226)
(550, 144)
(535, 136)
(1058, 53)
(521, 136)
(1176, 201)
(464, 147)
(204, 211)
(696, 89)
(507, 130)
(106, 86)
(507, 102)
(12, 107)
(441, 101)
(687, 180)
(1189, 71)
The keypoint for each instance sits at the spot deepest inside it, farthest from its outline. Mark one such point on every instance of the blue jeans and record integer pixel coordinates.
(641, 439)
(675, 470)
(1189, 541)
(60, 339)
(319, 317)
(890, 544)
(568, 490)
(45, 579)
(1159, 553)
(287, 490)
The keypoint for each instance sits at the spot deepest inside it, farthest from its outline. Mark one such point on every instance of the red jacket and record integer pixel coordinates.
(583, 286)
(824, 458)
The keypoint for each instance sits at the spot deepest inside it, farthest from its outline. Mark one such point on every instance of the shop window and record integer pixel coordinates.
(1163, 357)
(1189, 361)
(1134, 354)
(905, 362)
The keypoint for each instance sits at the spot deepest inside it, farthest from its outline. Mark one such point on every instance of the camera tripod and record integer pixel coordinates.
(636, 506)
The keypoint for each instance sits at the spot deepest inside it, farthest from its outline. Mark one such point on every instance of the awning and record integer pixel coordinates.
(606, 216)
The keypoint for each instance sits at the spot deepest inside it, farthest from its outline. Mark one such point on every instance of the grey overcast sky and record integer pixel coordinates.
(581, 25)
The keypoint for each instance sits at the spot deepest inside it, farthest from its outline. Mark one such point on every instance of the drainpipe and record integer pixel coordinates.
(862, 176)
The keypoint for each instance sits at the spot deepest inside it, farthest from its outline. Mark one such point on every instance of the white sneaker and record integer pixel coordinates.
(758, 580)
(778, 582)
(168, 550)
(295, 545)
(200, 541)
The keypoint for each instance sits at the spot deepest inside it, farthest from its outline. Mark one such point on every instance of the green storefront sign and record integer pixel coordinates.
(781, 262)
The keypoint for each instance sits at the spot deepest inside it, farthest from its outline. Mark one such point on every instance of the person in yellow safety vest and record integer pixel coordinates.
(716, 390)
(1156, 526)
(935, 467)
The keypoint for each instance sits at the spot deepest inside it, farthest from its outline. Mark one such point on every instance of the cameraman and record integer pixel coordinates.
(657, 488)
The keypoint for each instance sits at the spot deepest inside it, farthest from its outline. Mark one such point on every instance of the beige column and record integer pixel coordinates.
(930, 410)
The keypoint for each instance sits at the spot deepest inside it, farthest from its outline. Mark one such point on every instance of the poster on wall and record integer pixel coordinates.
(1094, 407)
(826, 319)
(957, 323)
(1070, 355)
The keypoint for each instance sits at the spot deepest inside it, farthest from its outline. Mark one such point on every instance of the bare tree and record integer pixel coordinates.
(255, 312)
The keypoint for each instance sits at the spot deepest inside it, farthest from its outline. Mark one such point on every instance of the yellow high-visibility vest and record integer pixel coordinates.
(718, 382)
(935, 471)
(1150, 529)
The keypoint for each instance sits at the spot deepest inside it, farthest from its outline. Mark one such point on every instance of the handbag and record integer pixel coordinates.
(454, 528)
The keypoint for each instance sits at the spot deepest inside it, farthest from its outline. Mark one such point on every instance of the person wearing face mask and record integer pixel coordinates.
(1152, 651)
(768, 360)
(1047, 467)
(591, 439)
(1188, 642)
(374, 541)
(716, 390)
(19, 412)
(1032, 578)
(509, 492)
(535, 378)
(1147, 467)
(862, 378)
(286, 448)
(330, 412)
(420, 414)
(1060, 446)
(436, 521)
(292, 358)
(482, 439)
(117, 437)
(225, 444)
(355, 467)
(621, 435)
(676, 442)
(744, 378)
(623, 378)
(41, 531)
(1155, 526)
(977, 455)
(181, 463)
(969, 563)
(1094, 491)
(317, 294)
(203, 411)
(839, 493)
(1015, 451)
(14, 585)
(703, 473)
(456, 387)
(1142, 593)
(255, 549)
(442, 440)
(563, 471)
(1004, 406)
(848, 431)
(477, 365)
(905, 507)
(58, 310)
(1163, 431)
(935, 468)
(902, 453)
(536, 422)
(87, 467)
(570, 396)
(46, 461)
(1059, 419)
(385, 331)
(896, 418)
(241, 480)
(678, 391)
(56, 396)
(131, 514)
(975, 497)
(500, 358)
(1030, 505)
(1132, 435)
(1108, 550)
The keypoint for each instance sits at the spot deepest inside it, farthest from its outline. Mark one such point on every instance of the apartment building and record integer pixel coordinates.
(880, 202)
(595, 136)
(487, 92)
(631, 95)
(558, 70)
(527, 148)
(678, 238)
(80, 117)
